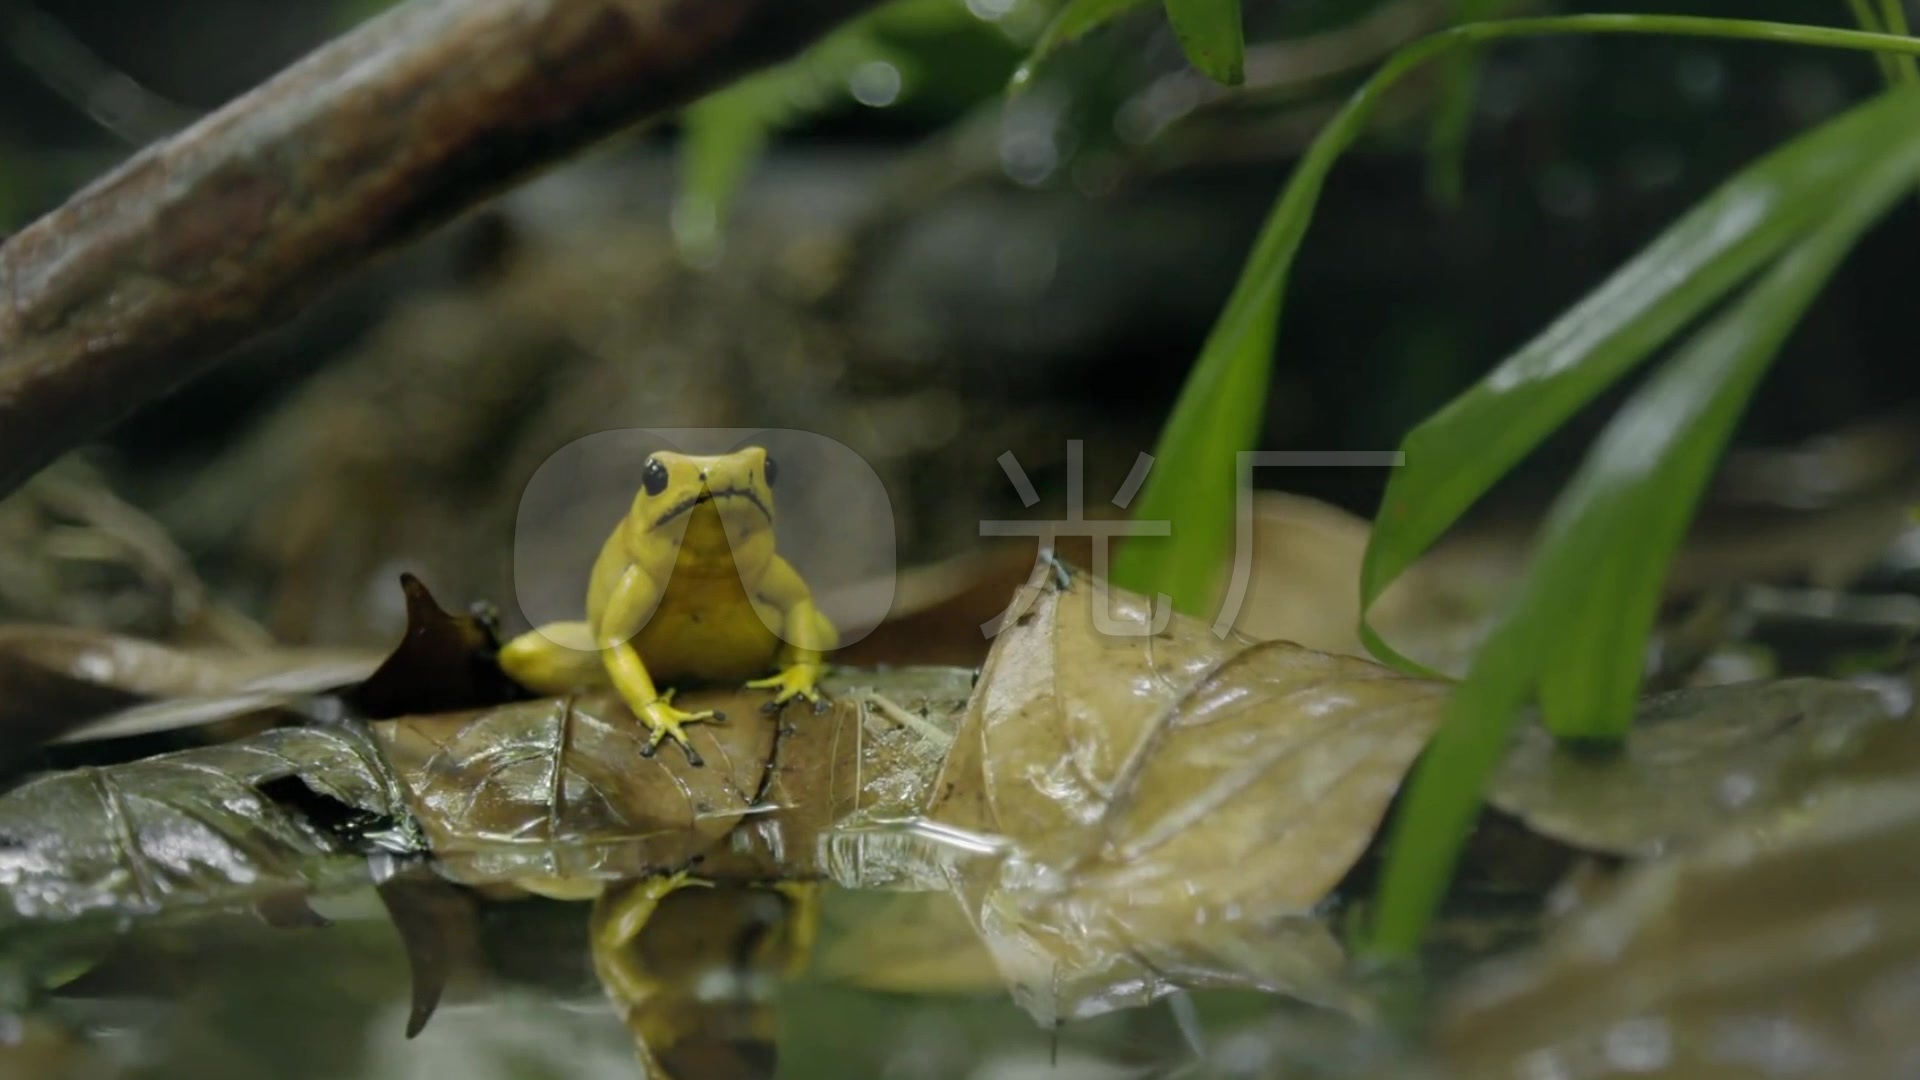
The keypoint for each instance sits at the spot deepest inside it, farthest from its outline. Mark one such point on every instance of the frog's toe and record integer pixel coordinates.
(795, 682)
(668, 722)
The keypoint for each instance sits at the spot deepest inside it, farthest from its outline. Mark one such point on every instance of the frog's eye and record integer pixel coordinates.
(654, 476)
(772, 470)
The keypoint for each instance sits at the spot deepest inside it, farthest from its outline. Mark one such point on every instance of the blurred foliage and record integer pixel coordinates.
(877, 60)
(1211, 34)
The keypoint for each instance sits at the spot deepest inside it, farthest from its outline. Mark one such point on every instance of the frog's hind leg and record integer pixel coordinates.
(555, 658)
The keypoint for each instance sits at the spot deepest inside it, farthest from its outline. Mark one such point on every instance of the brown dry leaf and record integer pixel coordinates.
(1695, 761)
(559, 787)
(1303, 586)
(1167, 808)
(69, 684)
(443, 662)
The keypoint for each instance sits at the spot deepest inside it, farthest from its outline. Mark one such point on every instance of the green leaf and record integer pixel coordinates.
(726, 131)
(724, 135)
(1453, 117)
(1457, 454)
(1893, 14)
(1869, 19)
(1586, 604)
(1217, 416)
(1252, 314)
(1210, 31)
(1075, 20)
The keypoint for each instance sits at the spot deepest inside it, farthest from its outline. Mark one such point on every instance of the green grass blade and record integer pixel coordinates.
(1893, 17)
(1194, 550)
(1462, 450)
(1453, 116)
(1077, 19)
(1217, 416)
(1586, 603)
(1211, 33)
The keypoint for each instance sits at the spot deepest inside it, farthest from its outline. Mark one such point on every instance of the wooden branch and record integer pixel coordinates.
(141, 280)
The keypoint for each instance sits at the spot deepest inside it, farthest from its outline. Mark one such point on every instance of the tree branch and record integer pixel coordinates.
(142, 279)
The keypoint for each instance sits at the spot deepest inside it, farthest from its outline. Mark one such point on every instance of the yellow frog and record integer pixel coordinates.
(687, 586)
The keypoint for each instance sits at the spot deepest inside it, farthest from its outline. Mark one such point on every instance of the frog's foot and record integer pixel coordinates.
(668, 722)
(794, 681)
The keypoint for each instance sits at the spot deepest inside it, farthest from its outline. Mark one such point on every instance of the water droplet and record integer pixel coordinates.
(876, 83)
(1029, 157)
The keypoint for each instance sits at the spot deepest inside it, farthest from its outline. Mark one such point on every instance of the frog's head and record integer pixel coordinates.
(709, 512)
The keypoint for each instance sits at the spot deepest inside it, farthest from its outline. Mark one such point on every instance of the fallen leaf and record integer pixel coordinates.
(1788, 948)
(1695, 761)
(442, 663)
(292, 810)
(1167, 810)
(1303, 585)
(66, 684)
(561, 787)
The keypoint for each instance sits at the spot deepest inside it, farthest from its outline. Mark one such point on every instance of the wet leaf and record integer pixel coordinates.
(1696, 761)
(292, 810)
(1787, 950)
(1165, 808)
(560, 788)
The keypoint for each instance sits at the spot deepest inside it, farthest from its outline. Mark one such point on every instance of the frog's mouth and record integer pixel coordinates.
(685, 506)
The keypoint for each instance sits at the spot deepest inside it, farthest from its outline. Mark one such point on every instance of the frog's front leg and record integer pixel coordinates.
(806, 635)
(633, 598)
